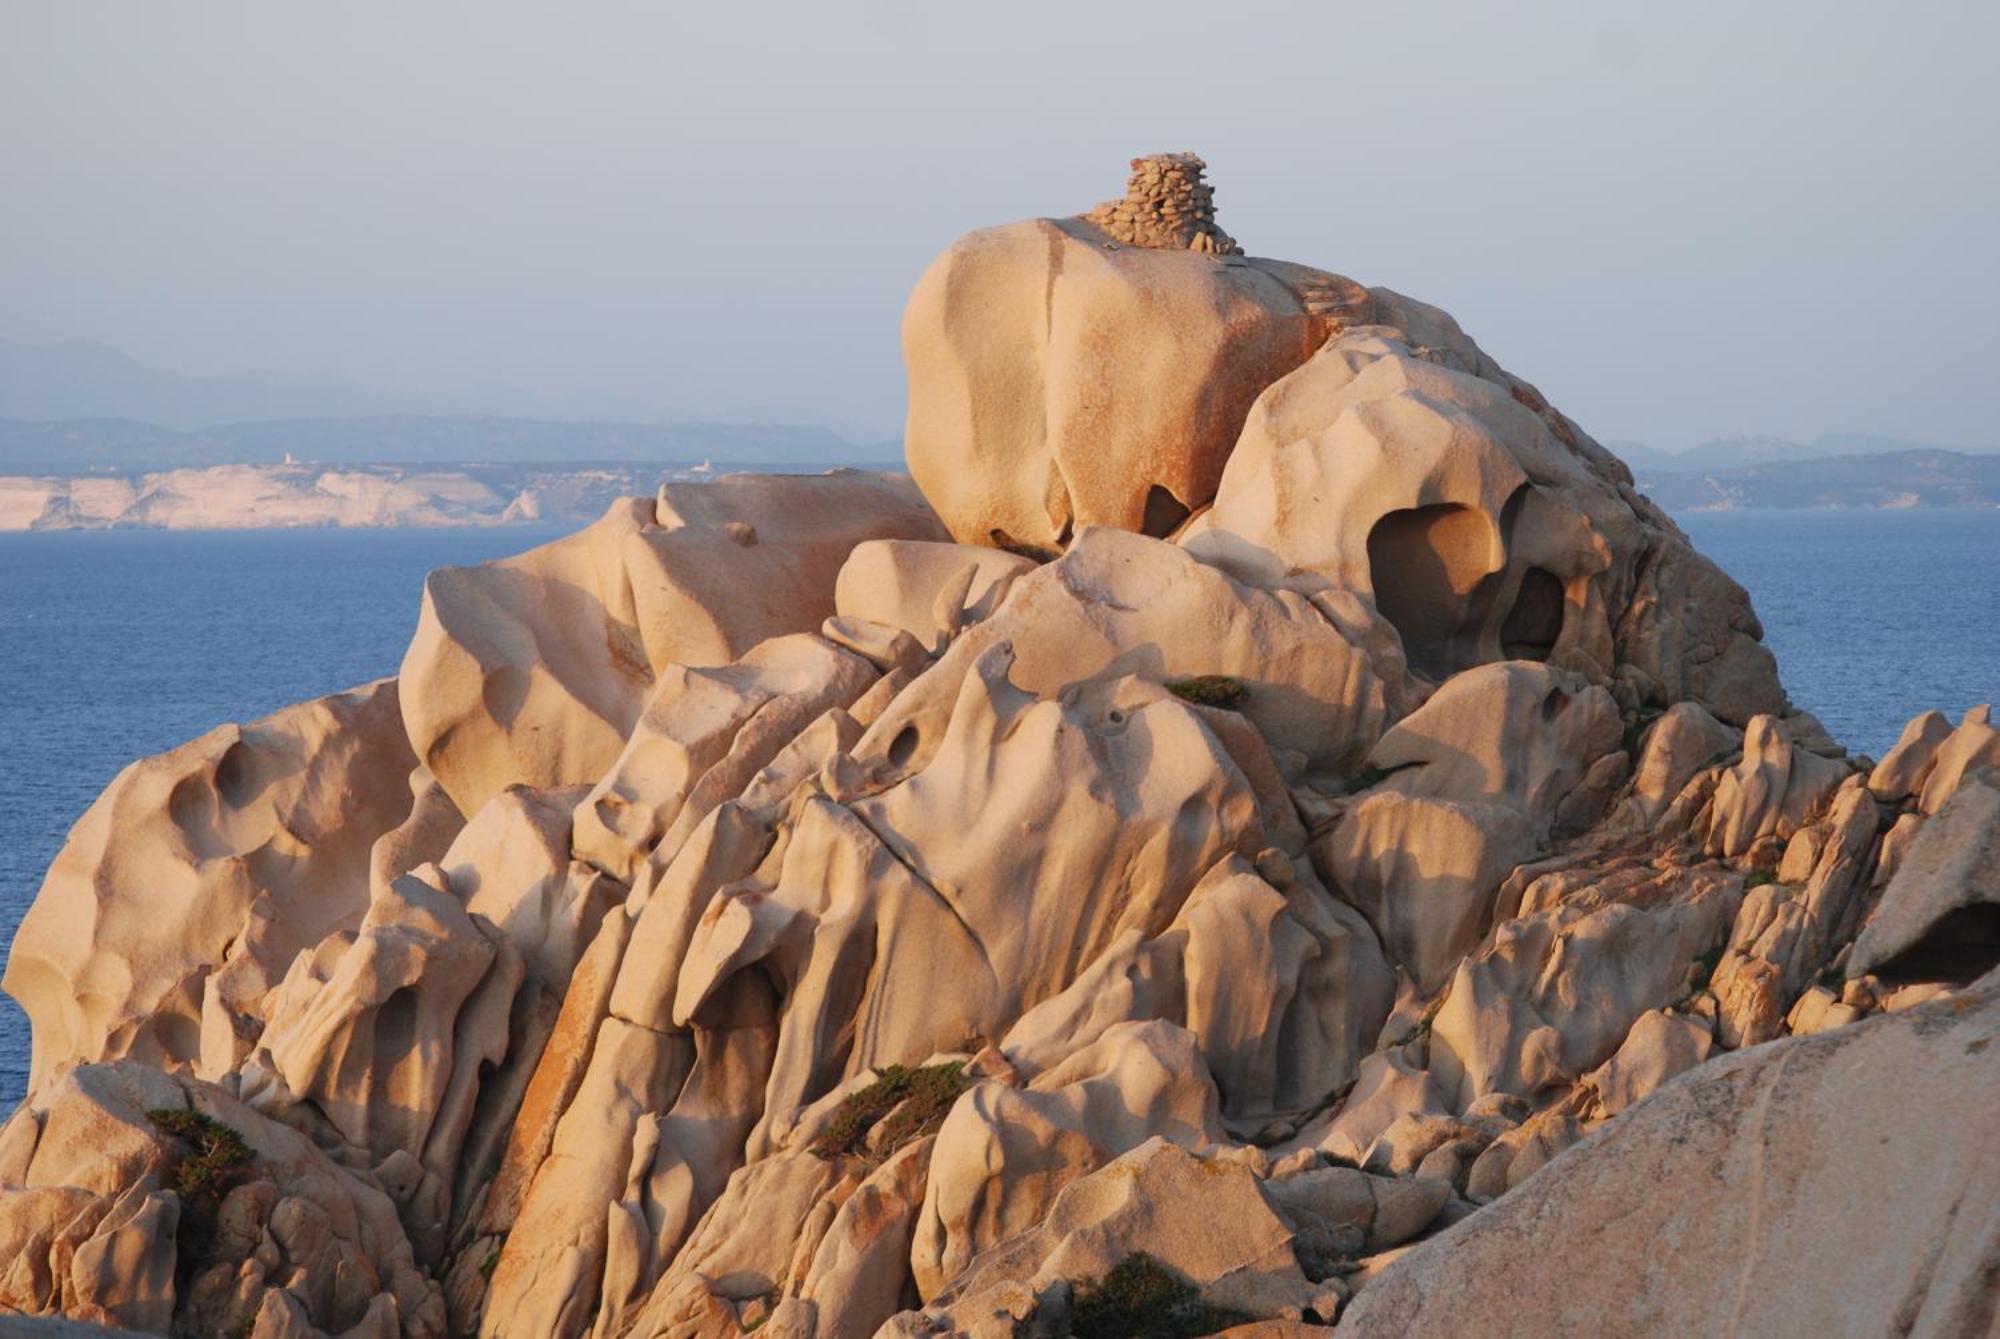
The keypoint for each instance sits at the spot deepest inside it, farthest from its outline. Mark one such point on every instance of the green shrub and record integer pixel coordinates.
(1210, 690)
(212, 1157)
(1142, 1299)
(915, 1102)
(217, 1157)
(1756, 878)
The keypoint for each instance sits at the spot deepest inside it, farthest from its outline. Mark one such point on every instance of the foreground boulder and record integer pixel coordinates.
(1758, 1195)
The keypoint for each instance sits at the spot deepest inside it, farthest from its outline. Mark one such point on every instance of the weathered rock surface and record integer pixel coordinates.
(1061, 377)
(1939, 918)
(1319, 805)
(532, 671)
(196, 878)
(1710, 1207)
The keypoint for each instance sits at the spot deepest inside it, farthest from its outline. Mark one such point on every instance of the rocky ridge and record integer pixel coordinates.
(1266, 829)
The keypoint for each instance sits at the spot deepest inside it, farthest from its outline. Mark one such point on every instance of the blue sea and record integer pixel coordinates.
(120, 644)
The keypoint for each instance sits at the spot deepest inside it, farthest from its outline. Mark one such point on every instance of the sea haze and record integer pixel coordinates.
(119, 644)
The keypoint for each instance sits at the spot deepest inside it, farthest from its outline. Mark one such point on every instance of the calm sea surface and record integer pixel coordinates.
(116, 645)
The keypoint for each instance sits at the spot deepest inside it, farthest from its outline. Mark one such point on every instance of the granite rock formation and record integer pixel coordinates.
(1269, 830)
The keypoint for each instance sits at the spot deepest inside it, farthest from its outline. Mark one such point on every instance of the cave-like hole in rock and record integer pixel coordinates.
(1164, 513)
(903, 747)
(1536, 620)
(1960, 948)
(1424, 563)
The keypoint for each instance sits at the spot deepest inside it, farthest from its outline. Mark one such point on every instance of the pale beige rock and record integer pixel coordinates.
(703, 736)
(1060, 379)
(1120, 604)
(1554, 993)
(1818, 1010)
(735, 1255)
(242, 847)
(511, 865)
(1004, 1154)
(1684, 740)
(1284, 992)
(1161, 1200)
(862, 1267)
(1785, 934)
(1906, 766)
(1519, 1153)
(532, 670)
(1386, 1089)
(294, 1220)
(1939, 918)
(1748, 1167)
(384, 1032)
(1475, 779)
(1772, 792)
(1659, 1046)
(930, 591)
(1973, 745)
(1418, 491)
(1386, 1211)
(433, 822)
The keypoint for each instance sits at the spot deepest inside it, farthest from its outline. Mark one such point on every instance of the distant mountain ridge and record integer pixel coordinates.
(1729, 453)
(1884, 481)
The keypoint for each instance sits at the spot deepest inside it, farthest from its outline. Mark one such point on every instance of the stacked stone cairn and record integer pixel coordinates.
(1167, 206)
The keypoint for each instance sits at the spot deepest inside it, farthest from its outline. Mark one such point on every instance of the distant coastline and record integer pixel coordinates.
(1886, 481)
(310, 496)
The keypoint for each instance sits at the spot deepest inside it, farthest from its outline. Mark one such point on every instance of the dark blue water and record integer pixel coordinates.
(1874, 615)
(116, 645)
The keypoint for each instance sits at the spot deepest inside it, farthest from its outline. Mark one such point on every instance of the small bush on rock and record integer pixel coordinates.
(1210, 690)
(914, 1102)
(1143, 1299)
(218, 1152)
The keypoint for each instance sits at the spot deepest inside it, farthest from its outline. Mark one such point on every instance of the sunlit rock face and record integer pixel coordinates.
(1263, 790)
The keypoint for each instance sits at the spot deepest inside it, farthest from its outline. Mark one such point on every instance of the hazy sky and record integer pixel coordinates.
(1680, 220)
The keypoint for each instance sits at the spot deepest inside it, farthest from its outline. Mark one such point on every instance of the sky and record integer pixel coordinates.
(1681, 221)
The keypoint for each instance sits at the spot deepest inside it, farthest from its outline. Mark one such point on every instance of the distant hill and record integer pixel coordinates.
(1728, 453)
(1895, 479)
(95, 445)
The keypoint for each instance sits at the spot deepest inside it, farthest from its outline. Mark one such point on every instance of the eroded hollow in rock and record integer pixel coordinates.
(1536, 618)
(1164, 513)
(1960, 948)
(1425, 563)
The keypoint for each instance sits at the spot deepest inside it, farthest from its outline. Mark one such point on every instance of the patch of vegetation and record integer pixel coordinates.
(1142, 1299)
(217, 1157)
(1422, 1027)
(1756, 878)
(487, 1266)
(914, 1101)
(213, 1159)
(1210, 690)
